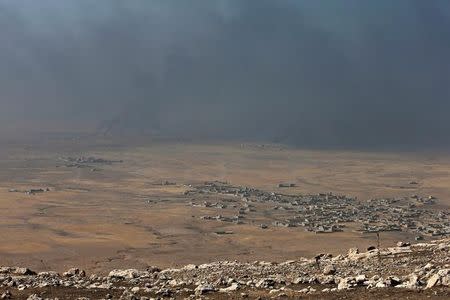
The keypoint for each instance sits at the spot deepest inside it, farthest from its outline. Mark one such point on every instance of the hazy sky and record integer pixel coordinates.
(315, 73)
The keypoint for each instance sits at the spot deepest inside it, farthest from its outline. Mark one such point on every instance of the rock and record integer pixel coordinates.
(153, 269)
(319, 256)
(353, 251)
(48, 274)
(190, 267)
(135, 289)
(442, 277)
(127, 295)
(344, 284)
(164, 292)
(23, 271)
(443, 272)
(104, 286)
(412, 283)
(204, 289)
(328, 279)
(403, 244)
(392, 281)
(443, 246)
(445, 281)
(433, 281)
(299, 280)
(6, 295)
(338, 258)
(399, 250)
(360, 278)
(124, 274)
(74, 272)
(265, 283)
(370, 248)
(428, 267)
(233, 287)
(329, 270)
(175, 283)
(288, 262)
(21, 287)
(312, 280)
(34, 297)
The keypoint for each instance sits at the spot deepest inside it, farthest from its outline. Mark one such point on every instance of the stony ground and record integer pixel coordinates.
(406, 271)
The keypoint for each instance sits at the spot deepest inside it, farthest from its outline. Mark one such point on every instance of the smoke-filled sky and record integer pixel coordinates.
(346, 73)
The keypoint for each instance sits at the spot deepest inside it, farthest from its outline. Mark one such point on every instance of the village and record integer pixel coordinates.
(323, 213)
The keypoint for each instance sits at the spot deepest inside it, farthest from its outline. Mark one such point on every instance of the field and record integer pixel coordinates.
(120, 215)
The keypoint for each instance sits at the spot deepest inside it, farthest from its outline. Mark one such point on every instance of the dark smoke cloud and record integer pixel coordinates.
(313, 73)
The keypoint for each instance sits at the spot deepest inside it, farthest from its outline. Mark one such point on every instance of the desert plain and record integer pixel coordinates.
(134, 212)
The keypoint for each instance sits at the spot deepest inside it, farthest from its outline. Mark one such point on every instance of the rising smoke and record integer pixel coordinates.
(312, 73)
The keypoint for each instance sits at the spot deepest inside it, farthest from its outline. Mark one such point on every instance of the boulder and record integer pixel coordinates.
(124, 274)
(23, 271)
(360, 278)
(328, 279)
(433, 281)
(74, 272)
(353, 251)
(233, 287)
(443, 246)
(329, 270)
(443, 272)
(412, 283)
(344, 284)
(6, 295)
(445, 281)
(204, 289)
(392, 281)
(127, 295)
(265, 283)
(428, 267)
(48, 274)
(403, 244)
(189, 267)
(5, 270)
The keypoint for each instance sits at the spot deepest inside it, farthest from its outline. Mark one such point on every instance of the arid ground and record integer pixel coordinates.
(119, 214)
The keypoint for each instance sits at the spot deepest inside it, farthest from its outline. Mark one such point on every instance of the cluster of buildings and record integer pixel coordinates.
(326, 212)
(83, 162)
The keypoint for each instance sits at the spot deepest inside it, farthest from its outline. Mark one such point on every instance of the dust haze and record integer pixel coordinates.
(308, 73)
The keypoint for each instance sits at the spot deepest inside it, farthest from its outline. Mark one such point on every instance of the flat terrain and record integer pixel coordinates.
(120, 215)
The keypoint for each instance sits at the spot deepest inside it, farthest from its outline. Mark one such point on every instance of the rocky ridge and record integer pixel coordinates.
(415, 267)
